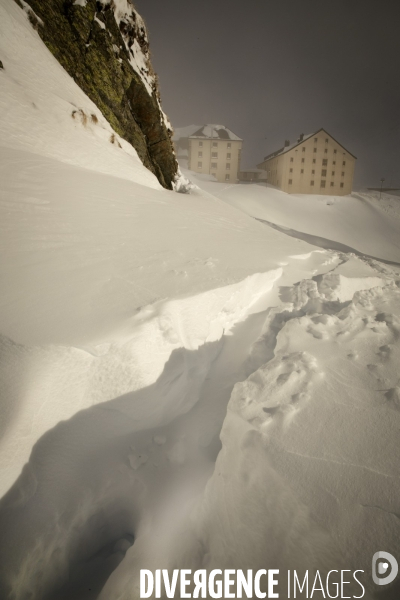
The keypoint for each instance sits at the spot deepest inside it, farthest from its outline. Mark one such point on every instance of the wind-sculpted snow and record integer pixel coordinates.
(92, 480)
(181, 386)
(295, 378)
(307, 476)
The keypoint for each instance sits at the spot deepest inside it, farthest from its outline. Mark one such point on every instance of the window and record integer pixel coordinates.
(333, 173)
(291, 160)
(228, 155)
(215, 144)
(342, 184)
(290, 181)
(214, 154)
(324, 162)
(315, 149)
(323, 173)
(200, 154)
(302, 160)
(332, 184)
(313, 172)
(303, 149)
(335, 151)
(290, 170)
(344, 162)
(323, 183)
(326, 150)
(200, 143)
(326, 140)
(229, 145)
(214, 165)
(228, 166)
(227, 177)
(312, 182)
(199, 165)
(314, 161)
(334, 162)
(315, 140)
(302, 171)
(342, 173)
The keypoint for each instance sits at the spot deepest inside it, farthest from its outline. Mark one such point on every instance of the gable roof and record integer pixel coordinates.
(215, 132)
(184, 132)
(306, 137)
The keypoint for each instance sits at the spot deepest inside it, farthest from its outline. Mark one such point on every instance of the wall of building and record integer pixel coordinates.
(319, 165)
(220, 158)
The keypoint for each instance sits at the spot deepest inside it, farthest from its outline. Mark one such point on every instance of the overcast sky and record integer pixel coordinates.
(270, 70)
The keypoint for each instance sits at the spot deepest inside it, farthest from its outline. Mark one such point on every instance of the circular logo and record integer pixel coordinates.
(384, 568)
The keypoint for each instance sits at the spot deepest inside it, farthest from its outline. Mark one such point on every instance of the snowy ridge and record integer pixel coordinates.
(313, 367)
(134, 385)
(133, 361)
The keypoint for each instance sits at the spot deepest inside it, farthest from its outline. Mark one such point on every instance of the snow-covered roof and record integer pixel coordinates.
(184, 132)
(289, 147)
(302, 139)
(215, 132)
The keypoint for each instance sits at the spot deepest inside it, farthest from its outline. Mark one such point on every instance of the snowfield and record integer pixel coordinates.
(361, 221)
(186, 382)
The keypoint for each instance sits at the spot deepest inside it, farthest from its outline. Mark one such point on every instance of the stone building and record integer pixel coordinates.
(215, 150)
(315, 164)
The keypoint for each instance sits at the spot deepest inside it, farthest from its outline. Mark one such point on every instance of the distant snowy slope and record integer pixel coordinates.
(360, 221)
(44, 111)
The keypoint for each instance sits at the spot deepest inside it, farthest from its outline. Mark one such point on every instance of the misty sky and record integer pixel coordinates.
(270, 70)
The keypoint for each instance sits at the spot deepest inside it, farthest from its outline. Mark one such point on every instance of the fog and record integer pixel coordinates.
(272, 70)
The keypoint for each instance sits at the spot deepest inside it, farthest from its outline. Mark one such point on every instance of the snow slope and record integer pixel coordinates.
(360, 221)
(181, 385)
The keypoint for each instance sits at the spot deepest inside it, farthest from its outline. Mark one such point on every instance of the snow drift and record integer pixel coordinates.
(181, 385)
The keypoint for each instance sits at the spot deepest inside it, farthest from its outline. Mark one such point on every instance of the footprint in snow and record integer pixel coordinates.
(393, 396)
(385, 351)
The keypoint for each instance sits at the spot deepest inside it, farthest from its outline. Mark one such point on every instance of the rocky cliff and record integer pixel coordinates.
(103, 45)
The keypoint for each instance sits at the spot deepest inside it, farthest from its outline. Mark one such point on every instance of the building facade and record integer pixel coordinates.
(215, 150)
(253, 176)
(315, 164)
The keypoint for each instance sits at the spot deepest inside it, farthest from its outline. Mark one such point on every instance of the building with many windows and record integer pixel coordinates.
(315, 164)
(215, 150)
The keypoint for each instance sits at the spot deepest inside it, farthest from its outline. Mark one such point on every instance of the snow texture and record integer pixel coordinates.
(184, 382)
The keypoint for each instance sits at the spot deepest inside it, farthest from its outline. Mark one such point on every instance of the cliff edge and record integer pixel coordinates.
(104, 46)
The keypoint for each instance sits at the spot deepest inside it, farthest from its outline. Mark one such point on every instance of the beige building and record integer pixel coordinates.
(253, 176)
(315, 164)
(215, 150)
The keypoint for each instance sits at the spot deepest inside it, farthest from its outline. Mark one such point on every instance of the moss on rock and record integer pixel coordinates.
(98, 60)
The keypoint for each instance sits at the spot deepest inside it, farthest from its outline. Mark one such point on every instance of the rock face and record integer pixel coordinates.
(103, 45)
